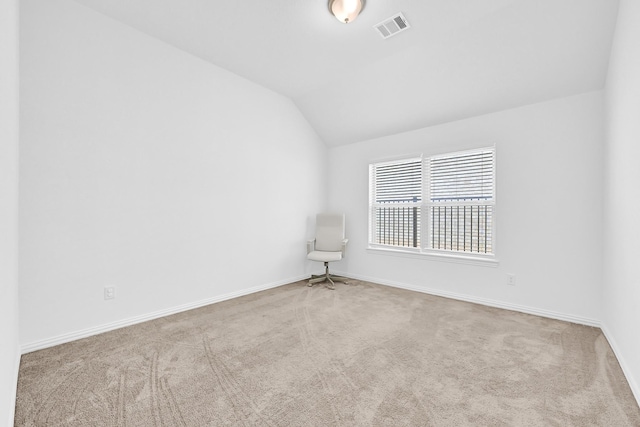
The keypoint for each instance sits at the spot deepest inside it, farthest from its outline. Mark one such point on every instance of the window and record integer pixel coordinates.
(454, 193)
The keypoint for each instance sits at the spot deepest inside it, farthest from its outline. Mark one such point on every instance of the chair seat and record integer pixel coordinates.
(324, 256)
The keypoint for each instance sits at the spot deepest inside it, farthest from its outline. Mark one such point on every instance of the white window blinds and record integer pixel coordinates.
(462, 177)
(396, 194)
(453, 193)
(461, 199)
(398, 182)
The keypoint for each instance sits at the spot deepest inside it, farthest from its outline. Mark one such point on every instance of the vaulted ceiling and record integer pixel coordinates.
(460, 58)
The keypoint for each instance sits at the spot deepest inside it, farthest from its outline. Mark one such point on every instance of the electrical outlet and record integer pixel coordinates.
(109, 292)
(511, 279)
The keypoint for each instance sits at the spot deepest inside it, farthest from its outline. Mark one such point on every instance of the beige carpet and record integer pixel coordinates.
(362, 355)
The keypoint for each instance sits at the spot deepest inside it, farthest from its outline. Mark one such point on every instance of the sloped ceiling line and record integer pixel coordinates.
(461, 58)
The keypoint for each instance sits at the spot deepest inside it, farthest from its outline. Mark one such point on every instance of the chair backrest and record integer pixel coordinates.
(329, 232)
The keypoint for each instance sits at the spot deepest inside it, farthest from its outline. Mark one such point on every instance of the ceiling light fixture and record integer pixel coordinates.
(346, 10)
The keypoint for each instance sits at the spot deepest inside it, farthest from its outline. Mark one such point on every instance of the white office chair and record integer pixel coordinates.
(329, 245)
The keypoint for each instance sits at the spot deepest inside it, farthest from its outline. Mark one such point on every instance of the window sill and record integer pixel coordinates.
(436, 256)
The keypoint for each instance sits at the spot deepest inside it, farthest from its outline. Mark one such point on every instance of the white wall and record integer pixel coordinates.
(549, 215)
(621, 296)
(9, 112)
(147, 169)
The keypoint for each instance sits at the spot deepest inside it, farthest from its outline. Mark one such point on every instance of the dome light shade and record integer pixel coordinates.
(346, 10)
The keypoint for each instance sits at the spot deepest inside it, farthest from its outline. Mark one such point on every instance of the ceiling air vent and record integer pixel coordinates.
(392, 26)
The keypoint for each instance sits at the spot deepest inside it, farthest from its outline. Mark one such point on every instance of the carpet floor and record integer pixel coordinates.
(362, 355)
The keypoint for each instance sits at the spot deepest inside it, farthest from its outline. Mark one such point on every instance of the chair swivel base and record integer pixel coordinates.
(326, 277)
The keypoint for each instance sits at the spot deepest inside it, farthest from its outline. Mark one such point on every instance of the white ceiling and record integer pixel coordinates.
(460, 58)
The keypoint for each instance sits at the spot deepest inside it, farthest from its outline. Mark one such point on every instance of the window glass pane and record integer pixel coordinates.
(464, 228)
(397, 226)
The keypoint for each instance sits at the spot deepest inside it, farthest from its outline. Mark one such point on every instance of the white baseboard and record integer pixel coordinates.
(633, 384)
(477, 300)
(61, 339)
(76, 335)
(12, 407)
(635, 387)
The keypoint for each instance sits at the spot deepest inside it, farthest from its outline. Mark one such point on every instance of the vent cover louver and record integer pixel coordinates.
(392, 26)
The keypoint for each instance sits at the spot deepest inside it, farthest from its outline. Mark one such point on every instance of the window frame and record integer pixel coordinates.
(373, 205)
(425, 250)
